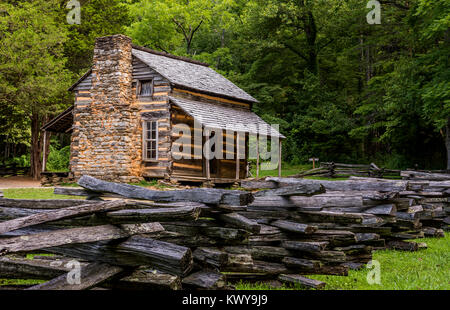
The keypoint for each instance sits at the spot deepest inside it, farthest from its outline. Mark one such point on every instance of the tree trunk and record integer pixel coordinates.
(188, 46)
(36, 146)
(311, 37)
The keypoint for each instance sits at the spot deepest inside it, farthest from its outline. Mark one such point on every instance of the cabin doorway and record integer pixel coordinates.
(211, 164)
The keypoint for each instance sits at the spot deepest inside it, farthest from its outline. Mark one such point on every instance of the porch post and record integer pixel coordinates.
(257, 156)
(207, 166)
(279, 159)
(237, 156)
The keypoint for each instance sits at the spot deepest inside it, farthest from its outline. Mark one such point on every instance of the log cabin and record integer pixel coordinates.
(140, 113)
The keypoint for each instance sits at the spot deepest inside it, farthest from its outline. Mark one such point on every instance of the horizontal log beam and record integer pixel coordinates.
(159, 214)
(90, 276)
(240, 221)
(294, 227)
(60, 214)
(145, 279)
(74, 236)
(43, 204)
(302, 281)
(202, 195)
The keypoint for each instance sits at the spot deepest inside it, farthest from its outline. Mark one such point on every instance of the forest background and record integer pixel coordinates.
(341, 89)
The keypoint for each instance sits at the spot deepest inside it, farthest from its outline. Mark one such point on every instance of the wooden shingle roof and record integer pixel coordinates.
(185, 73)
(217, 116)
(191, 75)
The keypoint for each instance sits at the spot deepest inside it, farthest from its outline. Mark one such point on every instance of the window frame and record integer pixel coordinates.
(139, 88)
(146, 141)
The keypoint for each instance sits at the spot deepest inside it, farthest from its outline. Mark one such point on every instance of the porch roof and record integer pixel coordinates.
(61, 123)
(217, 116)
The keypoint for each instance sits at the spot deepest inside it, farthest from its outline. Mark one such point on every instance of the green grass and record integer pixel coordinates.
(327, 179)
(423, 270)
(286, 170)
(47, 193)
(290, 170)
(33, 255)
(152, 183)
(4, 282)
(34, 193)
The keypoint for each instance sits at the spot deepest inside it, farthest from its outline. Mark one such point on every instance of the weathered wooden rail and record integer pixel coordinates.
(336, 170)
(129, 237)
(13, 170)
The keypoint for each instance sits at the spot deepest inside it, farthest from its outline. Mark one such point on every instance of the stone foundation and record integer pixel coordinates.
(55, 178)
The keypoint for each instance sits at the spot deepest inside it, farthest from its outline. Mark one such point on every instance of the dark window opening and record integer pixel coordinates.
(146, 88)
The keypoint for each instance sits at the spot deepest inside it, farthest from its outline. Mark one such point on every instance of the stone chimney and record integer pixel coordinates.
(106, 138)
(112, 71)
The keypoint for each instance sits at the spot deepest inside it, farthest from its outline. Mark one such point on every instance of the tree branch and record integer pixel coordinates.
(182, 29)
(295, 51)
(394, 3)
(195, 30)
(325, 45)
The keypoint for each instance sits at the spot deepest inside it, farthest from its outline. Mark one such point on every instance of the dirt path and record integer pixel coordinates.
(18, 182)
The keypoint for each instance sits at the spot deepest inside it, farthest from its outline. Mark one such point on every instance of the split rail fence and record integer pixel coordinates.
(130, 238)
(337, 170)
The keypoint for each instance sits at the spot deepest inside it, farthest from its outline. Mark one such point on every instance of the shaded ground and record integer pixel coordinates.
(18, 182)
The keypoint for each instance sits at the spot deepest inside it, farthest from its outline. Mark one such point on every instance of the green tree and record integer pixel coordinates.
(33, 78)
(166, 24)
(432, 19)
(406, 101)
(98, 18)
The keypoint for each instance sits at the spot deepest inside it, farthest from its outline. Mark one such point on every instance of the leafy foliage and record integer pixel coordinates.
(341, 89)
(58, 160)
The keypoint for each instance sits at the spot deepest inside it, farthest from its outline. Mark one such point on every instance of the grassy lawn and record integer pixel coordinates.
(34, 193)
(286, 170)
(4, 282)
(423, 270)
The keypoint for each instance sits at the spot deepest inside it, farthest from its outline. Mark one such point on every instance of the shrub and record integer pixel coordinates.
(58, 160)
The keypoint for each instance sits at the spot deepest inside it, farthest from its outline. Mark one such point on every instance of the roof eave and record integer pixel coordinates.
(214, 94)
(71, 88)
(57, 118)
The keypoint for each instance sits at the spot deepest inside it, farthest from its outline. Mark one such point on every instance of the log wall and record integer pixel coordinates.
(154, 108)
